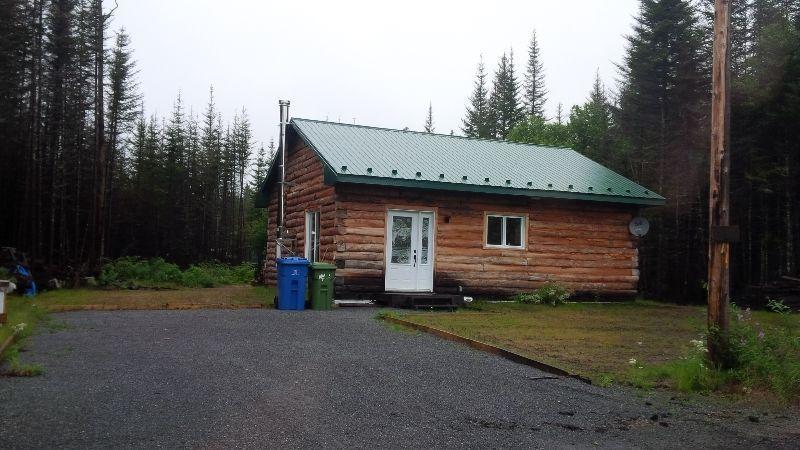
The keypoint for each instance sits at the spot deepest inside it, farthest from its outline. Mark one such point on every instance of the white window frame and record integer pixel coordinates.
(523, 231)
(312, 236)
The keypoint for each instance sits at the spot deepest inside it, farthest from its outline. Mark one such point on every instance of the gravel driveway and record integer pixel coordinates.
(266, 378)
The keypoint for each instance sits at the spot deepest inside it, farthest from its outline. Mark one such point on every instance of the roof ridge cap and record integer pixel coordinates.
(500, 141)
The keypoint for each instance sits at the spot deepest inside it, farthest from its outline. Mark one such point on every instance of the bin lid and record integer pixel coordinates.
(293, 260)
(323, 266)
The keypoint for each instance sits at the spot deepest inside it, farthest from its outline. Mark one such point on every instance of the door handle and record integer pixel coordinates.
(415, 258)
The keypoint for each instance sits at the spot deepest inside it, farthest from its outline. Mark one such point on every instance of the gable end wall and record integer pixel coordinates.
(305, 191)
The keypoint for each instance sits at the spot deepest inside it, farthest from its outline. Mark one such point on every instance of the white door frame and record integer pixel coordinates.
(420, 279)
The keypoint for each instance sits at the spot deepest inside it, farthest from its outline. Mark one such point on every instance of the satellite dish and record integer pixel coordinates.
(639, 226)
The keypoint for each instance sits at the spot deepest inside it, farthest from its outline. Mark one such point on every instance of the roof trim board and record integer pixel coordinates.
(332, 178)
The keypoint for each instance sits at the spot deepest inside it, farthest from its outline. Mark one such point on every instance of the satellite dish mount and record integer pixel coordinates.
(639, 226)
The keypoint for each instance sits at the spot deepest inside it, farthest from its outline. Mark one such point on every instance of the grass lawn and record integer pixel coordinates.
(21, 310)
(593, 340)
(235, 296)
(25, 315)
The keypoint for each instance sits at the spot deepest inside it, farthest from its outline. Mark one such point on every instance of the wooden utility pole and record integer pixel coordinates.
(720, 232)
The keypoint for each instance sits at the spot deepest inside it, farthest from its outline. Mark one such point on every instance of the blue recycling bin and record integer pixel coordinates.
(292, 282)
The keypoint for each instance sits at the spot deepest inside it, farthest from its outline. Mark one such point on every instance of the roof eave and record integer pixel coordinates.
(332, 177)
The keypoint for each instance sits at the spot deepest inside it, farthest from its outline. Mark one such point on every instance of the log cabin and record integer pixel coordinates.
(406, 211)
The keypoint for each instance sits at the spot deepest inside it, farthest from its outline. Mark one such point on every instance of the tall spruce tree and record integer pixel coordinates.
(194, 188)
(534, 91)
(591, 124)
(260, 167)
(662, 121)
(765, 145)
(99, 21)
(243, 149)
(560, 113)
(82, 166)
(16, 179)
(122, 111)
(477, 122)
(504, 104)
(175, 182)
(123, 98)
(256, 219)
(429, 128)
(537, 131)
(211, 172)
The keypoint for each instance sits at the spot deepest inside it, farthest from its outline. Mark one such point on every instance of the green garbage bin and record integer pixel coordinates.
(321, 279)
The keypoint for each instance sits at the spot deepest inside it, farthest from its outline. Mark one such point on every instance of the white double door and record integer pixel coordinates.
(409, 251)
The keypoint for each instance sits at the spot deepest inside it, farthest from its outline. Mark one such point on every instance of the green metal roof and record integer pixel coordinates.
(380, 156)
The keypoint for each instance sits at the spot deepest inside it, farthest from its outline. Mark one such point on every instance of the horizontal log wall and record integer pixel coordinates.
(305, 191)
(583, 246)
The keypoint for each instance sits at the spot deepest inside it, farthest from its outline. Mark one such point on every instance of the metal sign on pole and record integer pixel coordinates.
(4, 287)
(720, 232)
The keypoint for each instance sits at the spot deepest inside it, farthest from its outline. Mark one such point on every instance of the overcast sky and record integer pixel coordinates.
(376, 62)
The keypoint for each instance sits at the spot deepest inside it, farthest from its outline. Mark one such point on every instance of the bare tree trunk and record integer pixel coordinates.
(764, 257)
(242, 164)
(99, 214)
(27, 229)
(36, 143)
(749, 255)
(55, 164)
(789, 262)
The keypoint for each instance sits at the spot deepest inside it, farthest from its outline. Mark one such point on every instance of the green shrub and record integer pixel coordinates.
(213, 273)
(755, 356)
(15, 368)
(243, 273)
(133, 271)
(5, 274)
(603, 380)
(24, 316)
(762, 356)
(197, 276)
(777, 306)
(691, 373)
(550, 294)
(136, 272)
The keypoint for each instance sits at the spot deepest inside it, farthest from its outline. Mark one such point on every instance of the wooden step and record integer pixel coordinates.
(417, 300)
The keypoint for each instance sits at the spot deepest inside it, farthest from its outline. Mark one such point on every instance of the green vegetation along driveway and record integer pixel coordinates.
(600, 341)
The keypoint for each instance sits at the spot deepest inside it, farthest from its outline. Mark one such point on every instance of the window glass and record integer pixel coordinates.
(494, 230)
(505, 231)
(425, 240)
(514, 231)
(312, 236)
(401, 240)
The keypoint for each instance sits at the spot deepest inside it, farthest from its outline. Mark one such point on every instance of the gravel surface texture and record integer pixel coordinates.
(266, 378)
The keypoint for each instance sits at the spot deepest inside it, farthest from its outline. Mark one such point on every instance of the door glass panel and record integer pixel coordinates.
(425, 240)
(494, 230)
(401, 240)
(514, 231)
(315, 241)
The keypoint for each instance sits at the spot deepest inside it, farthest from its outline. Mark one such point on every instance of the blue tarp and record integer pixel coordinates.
(29, 286)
